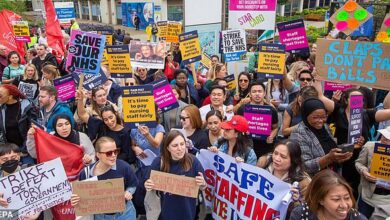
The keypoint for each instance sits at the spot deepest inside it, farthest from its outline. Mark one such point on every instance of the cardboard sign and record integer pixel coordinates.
(175, 184)
(108, 194)
(258, 15)
(65, 87)
(36, 188)
(384, 32)
(173, 31)
(271, 61)
(162, 29)
(380, 163)
(28, 89)
(331, 86)
(234, 45)
(139, 106)
(293, 35)
(356, 118)
(21, 31)
(91, 81)
(349, 17)
(354, 62)
(119, 61)
(147, 54)
(231, 82)
(259, 119)
(85, 52)
(163, 95)
(190, 47)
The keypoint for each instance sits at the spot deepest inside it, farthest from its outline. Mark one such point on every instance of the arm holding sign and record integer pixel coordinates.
(386, 102)
(30, 143)
(382, 115)
(363, 162)
(82, 113)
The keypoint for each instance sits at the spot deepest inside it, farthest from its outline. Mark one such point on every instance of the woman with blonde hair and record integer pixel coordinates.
(28, 82)
(218, 71)
(50, 72)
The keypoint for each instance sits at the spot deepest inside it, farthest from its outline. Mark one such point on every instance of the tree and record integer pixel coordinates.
(15, 6)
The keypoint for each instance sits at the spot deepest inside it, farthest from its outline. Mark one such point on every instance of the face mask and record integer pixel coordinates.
(10, 166)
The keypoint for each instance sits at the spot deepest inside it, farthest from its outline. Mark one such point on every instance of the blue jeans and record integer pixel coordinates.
(365, 208)
(129, 213)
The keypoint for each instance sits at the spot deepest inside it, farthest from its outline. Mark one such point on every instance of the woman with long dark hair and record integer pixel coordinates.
(14, 68)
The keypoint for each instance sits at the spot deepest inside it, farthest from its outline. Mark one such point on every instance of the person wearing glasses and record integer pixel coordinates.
(298, 77)
(142, 76)
(171, 118)
(170, 66)
(107, 167)
(244, 79)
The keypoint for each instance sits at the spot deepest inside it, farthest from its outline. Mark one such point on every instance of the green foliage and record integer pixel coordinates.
(282, 2)
(313, 33)
(15, 6)
(288, 18)
(317, 11)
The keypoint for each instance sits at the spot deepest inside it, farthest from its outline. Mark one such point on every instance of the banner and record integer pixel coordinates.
(259, 119)
(119, 61)
(163, 95)
(147, 54)
(144, 11)
(293, 35)
(139, 106)
(162, 29)
(247, 14)
(7, 38)
(65, 12)
(271, 63)
(354, 62)
(234, 45)
(85, 52)
(331, 86)
(173, 31)
(355, 118)
(65, 87)
(241, 191)
(98, 197)
(36, 188)
(190, 47)
(231, 82)
(91, 81)
(21, 31)
(380, 166)
(175, 184)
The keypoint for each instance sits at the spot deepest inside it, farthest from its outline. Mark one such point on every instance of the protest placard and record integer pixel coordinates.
(354, 62)
(91, 81)
(175, 184)
(28, 89)
(65, 87)
(259, 119)
(108, 194)
(231, 82)
(246, 14)
(241, 191)
(293, 35)
(105, 57)
(205, 61)
(190, 47)
(355, 118)
(380, 162)
(271, 61)
(85, 52)
(36, 188)
(163, 95)
(139, 106)
(162, 29)
(173, 31)
(233, 44)
(21, 31)
(147, 54)
(384, 32)
(65, 12)
(331, 86)
(118, 57)
(108, 33)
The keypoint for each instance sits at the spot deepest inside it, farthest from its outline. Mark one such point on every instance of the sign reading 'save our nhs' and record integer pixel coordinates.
(354, 62)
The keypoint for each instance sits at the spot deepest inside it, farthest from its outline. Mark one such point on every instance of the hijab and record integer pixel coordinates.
(308, 107)
(73, 136)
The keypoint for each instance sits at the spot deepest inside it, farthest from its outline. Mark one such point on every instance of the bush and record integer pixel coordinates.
(313, 33)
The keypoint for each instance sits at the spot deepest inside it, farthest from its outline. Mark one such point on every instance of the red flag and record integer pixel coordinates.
(7, 37)
(53, 28)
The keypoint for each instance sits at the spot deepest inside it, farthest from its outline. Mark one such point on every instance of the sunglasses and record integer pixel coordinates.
(305, 79)
(111, 152)
(243, 80)
(183, 118)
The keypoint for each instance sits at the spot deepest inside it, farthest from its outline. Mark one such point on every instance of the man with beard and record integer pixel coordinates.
(43, 59)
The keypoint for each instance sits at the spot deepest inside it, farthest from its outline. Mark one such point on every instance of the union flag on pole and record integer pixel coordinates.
(53, 28)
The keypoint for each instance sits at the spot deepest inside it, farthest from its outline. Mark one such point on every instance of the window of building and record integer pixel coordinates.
(175, 13)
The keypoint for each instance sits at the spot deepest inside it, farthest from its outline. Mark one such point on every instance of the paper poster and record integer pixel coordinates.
(65, 87)
(234, 45)
(190, 47)
(354, 62)
(380, 166)
(241, 191)
(205, 61)
(21, 31)
(65, 12)
(162, 29)
(175, 184)
(271, 63)
(118, 57)
(85, 52)
(356, 118)
(36, 188)
(139, 106)
(91, 81)
(108, 32)
(293, 35)
(163, 95)
(384, 32)
(98, 197)
(105, 57)
(148, 160)
(259, 119)
(28, 89)
(248, 14)
(231, 82)
(331, 86)
(173, 31)
(147, 54)
(349, 17)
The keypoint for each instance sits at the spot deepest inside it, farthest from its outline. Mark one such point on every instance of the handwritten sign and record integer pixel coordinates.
(293, 35)
(119, 61)
(331, 86)
(65, 87)
(147, 54)
(190, 47)
(356, 118)
(354, 62)
(234, 44)
(173, 31)
(162, 29)
(380, 163)
(175, 184)
(28, 89)
(107, 193)
(21, 31)
(91, 81)
(37, 188)
(85, 52)
(259, 119)
(163, 95)
(271, 61)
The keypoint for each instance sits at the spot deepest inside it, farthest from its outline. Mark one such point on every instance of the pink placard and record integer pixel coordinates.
(164, 96)
(65, 87)
(259, 123)
(22, 39)
(331, 86)
(252, 5)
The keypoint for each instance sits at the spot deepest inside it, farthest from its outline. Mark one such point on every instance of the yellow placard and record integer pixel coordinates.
(380, 163)
(138, 105)
(190, 49)
(21, 31)
(104, 58)
(119, 63)
(162, 29)
(206, 61)
(173, 31)
(109, 39)
(272, 63)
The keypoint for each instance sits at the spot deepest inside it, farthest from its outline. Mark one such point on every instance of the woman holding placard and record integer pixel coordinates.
(14, 68)
(174, 159)
(28, 82)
